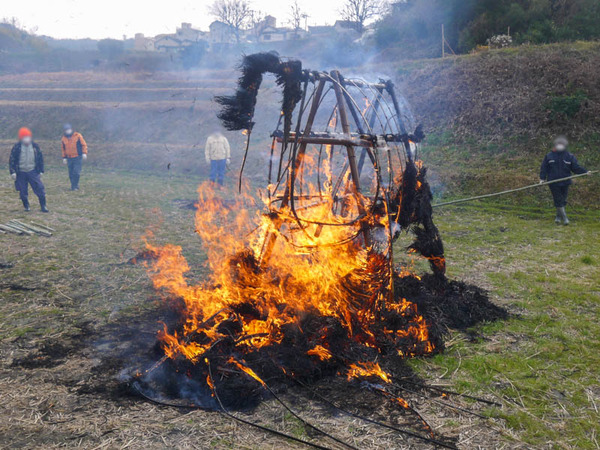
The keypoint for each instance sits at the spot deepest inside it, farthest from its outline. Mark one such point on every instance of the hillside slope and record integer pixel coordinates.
(528, 90)
(491, 117)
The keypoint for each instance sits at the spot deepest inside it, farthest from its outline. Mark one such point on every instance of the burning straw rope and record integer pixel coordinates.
(531, 186)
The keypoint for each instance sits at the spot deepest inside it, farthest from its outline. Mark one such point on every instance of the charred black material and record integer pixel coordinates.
(238, 110)
(443, 304)
(428, 241)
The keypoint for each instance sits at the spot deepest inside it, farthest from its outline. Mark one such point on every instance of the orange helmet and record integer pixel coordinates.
(24, 132)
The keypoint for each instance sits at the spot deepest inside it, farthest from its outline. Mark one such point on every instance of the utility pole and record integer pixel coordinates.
(443, 43)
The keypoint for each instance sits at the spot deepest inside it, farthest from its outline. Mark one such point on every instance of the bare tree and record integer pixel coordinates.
(296, 15)
(256, 21)
(234, 13)
(359, 11)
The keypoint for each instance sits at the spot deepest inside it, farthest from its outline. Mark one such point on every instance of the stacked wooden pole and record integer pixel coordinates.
(17, 227)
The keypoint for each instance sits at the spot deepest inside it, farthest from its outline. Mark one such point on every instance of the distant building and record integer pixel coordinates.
(183, 37)
(344, 26)
(143, 44)
(167, 43)
(320, 30)
(221, 33)
(268, 31)
(187, 34)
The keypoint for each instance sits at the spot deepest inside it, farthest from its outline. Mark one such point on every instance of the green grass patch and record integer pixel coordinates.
(543, 364)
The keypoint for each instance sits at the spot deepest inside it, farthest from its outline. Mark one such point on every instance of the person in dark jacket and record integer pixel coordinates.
(26, 167)
(557, 164)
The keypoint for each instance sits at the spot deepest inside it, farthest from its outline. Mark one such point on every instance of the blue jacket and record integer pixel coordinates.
(15, 156)
(558, 165)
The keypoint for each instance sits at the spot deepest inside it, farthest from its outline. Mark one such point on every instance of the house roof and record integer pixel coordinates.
(218, 23)
(346, 23)
(167, 37)
(320, 28)
(271, 30)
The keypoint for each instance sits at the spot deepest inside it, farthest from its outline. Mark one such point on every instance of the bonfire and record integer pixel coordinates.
(303, 282)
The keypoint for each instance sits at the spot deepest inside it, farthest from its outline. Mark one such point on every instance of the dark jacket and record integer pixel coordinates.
(15, 156)
(558, 165)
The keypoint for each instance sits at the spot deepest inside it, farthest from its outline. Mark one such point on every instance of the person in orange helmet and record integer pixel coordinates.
(74, 151)
(26, 167)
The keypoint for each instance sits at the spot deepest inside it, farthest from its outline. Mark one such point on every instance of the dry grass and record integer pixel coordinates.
(103, 313)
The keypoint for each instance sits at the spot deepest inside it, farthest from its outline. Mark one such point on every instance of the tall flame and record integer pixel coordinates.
(313, 269)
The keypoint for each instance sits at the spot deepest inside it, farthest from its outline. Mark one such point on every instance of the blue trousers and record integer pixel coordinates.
(217, 170)
(74, 165)
(24, 179)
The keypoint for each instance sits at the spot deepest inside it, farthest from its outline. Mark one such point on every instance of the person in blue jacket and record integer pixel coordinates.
(557, 164)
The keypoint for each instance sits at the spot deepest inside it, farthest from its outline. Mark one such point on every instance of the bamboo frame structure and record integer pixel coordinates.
(378, 133)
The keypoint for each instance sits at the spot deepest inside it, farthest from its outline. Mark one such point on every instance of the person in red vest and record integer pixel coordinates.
(74, 151)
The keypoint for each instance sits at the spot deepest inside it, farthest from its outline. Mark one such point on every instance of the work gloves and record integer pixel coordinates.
(14, 176)
(84, 156)
(64, 160)
(228, 162)
(542, 181)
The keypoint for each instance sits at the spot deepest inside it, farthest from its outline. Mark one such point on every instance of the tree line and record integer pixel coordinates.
(470, 23)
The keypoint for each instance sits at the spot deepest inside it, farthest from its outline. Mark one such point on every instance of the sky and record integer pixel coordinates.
(115, 18)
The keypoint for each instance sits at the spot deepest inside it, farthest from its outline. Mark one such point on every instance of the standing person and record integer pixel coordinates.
(74, 150)
(26, 167)
(218, 155)
(557, 164)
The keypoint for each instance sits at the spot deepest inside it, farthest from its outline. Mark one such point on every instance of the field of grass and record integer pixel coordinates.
(543, 362)
(74, 314)
(74, 289)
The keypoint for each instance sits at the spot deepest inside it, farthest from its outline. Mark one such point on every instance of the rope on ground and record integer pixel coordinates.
(413, 434)
(495, 194)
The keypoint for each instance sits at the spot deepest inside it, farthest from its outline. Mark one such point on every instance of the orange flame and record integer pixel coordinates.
(367, 369)
(246, 370)
(321, 352)
(310, 271)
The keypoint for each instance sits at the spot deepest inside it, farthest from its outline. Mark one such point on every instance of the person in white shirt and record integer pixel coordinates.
(218, 155)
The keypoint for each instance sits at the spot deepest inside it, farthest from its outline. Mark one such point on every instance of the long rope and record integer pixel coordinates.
(366, 419)
(495, 194)
(256, 425)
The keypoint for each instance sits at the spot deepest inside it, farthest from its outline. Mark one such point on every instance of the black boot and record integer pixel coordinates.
(563, 214)
(26, 204)
(43, 207)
